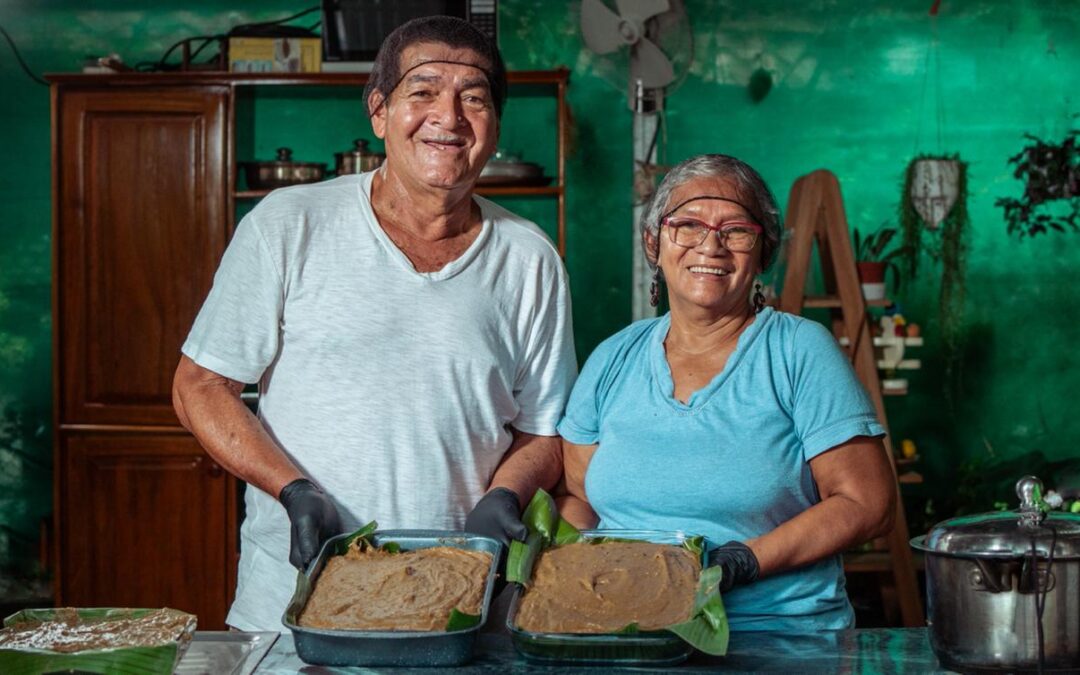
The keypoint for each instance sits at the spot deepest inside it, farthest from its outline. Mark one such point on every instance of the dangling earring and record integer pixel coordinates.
(759, 298)
(654, 290)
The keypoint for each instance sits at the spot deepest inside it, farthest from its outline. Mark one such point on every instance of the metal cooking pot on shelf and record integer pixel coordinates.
(357, 160)
(282, 172)
(1003, 588)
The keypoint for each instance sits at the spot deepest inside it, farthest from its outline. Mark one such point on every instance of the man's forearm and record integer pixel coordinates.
(214, 413)
(531, 462)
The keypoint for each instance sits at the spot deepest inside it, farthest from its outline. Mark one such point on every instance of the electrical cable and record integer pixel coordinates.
(19, 58)
(1040, 594)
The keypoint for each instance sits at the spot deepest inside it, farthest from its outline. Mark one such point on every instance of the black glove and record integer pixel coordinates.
(498, 515)
(739, 563)
(314, 519)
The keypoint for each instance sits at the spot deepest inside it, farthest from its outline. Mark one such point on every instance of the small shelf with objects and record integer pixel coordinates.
(316, 116)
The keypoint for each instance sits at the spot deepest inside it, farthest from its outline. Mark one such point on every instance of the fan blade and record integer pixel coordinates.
(641, 9)
(600, 27)
(648, 64)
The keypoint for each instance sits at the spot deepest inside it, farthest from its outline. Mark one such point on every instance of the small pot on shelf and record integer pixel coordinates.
(872, 278)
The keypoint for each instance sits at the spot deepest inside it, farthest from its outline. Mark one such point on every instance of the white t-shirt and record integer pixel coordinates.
(390, 388)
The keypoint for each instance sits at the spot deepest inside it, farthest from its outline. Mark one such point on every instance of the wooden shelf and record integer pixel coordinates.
(553, 77)
(905, 364)
(882, 342)
(504, 190)
(910, 478)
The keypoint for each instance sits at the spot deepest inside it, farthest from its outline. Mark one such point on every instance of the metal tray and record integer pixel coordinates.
(657, 648)
(391, 648)
(225, 652)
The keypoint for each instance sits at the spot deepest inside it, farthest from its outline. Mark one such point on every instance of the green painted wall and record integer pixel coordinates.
(848, 95)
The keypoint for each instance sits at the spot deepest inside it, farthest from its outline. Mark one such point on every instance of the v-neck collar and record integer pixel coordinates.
(665, 383)
(452, 268)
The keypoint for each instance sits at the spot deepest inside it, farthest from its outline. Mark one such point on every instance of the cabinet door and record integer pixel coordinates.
(141, 197)
(147, 524)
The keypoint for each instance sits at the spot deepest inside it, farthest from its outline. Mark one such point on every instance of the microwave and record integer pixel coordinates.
(353, 30)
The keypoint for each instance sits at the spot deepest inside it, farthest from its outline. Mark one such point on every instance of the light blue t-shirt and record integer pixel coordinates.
(733, 462)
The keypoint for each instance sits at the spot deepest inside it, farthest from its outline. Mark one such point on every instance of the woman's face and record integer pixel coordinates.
(708, 276)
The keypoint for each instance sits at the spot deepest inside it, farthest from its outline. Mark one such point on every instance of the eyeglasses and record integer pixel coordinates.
(737, 236)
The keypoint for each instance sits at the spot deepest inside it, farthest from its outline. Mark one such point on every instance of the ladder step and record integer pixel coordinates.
(875, 561)
(834, 301)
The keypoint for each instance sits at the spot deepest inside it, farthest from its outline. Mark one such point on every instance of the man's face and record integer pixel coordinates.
(439, 125)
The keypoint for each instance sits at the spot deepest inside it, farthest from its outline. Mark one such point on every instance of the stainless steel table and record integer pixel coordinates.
(872, 650)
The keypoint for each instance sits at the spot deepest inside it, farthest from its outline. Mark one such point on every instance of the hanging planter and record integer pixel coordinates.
(936, 222)
(935, 184)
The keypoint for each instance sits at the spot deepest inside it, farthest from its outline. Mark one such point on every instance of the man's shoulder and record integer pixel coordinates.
(310, 203)
(522, 234)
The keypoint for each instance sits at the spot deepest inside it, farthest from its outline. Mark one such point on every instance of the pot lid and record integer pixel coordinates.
(284, 159)
(360, 149)
(1008, 533)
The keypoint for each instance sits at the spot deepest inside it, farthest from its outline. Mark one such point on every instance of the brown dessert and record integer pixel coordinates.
(602, 588)
(372, 589)
(66, 632)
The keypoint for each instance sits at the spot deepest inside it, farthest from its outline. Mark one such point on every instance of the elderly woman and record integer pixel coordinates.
(727, 418)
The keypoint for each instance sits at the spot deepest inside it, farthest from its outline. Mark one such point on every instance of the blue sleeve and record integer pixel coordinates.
(829, 404)
(581, 422)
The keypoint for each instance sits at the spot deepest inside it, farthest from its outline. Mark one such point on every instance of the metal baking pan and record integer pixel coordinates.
(225, 652)
(391, 648)
(655, 648)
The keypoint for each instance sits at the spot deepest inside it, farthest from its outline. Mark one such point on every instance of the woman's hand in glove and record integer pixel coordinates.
(313, 518)
(739, 563)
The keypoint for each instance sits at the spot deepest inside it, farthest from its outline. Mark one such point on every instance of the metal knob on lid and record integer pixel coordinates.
(1030, 489)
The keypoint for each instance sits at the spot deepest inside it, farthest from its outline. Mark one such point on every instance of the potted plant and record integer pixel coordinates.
(872, 261)
(1051, 176)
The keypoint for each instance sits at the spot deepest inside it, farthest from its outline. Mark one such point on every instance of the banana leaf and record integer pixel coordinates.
(706, 630)
(158, 659)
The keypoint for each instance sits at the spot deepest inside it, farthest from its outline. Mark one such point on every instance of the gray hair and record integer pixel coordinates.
(750, 188)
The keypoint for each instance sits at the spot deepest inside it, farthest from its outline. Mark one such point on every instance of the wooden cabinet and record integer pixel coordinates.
(146, 523)
(141, 198)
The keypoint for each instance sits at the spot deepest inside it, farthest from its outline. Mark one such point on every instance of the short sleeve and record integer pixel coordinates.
(829, 404)
(237, 332)
(550, 365)
(581, 423)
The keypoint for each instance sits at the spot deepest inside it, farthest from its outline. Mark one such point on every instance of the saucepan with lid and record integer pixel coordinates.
(357, 160)
(1003, 588)
(282, 171)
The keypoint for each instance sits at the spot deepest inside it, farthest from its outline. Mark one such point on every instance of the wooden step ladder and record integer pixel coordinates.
(815, 212)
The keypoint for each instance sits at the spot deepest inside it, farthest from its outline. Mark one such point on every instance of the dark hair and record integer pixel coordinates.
(750, 187)
(446, 30)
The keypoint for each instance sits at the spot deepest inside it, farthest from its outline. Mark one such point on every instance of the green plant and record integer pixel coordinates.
(946, 246)
(873, 248)
(1051, 176)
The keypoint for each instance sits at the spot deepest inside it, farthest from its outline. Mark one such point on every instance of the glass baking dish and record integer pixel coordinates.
(656, 648)
(325, 647)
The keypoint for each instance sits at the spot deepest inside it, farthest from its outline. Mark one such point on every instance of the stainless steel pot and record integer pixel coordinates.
(282, 172)
(1003, 588)
(357, 160)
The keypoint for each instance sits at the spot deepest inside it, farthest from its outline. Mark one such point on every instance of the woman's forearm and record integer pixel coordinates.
(576, 511)
(858, 503)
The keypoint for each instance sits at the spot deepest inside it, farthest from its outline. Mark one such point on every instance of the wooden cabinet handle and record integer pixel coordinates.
(214, 470)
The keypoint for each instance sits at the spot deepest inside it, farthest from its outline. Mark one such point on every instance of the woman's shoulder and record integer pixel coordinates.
(628, 344)
(794, 333)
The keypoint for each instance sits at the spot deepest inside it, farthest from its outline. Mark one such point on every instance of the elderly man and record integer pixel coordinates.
(412, 342)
